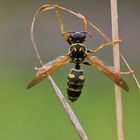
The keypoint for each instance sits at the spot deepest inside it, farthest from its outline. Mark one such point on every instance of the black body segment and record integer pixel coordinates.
(77, 54)
(75, 84)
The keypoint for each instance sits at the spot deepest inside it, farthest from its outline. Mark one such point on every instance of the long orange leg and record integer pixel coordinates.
(103, 46)
(59, 19)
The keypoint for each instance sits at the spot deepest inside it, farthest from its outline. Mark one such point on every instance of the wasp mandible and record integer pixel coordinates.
(78, 54)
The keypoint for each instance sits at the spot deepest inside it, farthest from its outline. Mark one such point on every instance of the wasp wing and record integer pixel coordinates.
(48, 68)
(114, 76)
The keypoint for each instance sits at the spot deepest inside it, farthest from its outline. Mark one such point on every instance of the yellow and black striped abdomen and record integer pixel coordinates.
(75, 84)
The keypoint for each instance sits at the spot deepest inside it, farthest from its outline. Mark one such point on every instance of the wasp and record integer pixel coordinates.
(78, 54)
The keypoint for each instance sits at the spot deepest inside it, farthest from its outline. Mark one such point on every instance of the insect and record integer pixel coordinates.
(78, 54)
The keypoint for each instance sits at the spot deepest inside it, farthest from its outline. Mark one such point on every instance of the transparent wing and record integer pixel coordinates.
(48, 68)
(109, 72)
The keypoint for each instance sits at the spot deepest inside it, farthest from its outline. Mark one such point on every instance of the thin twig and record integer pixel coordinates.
(116, 56)
(63, 101)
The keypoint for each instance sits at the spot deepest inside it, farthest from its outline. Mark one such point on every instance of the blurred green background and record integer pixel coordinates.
(36, 114)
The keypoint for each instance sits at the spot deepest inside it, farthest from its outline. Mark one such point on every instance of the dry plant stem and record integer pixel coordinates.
(63, 101)
(116, 56)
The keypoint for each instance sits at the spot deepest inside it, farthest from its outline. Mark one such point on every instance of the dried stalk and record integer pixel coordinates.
(116, 56)
(63, 101)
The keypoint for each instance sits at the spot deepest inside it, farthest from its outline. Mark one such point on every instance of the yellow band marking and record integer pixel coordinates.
(72, 97)
(71, 76)
(81, 77)
(81, 44)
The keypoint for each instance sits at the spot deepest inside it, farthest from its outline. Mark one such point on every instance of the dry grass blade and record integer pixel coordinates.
(135, 79)
(47, 7)
(63, 101)
(99, 31)
(69, 111)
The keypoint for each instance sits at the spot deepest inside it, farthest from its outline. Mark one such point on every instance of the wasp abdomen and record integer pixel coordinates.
(75, 84)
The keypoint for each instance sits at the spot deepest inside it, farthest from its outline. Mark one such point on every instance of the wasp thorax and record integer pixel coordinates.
(77, 52)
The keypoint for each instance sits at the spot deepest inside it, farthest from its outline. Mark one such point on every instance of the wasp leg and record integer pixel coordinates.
(59, 19)
(103, 46)
(84, 22)
(61, 23)
(126, 73)
(38, 68)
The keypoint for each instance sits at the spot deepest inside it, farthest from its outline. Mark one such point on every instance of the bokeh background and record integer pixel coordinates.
(36, 114)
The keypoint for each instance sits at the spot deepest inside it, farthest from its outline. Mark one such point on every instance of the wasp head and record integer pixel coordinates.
(75, 37)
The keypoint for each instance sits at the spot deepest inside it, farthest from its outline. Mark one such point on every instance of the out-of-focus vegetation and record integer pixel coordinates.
(36, 113)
